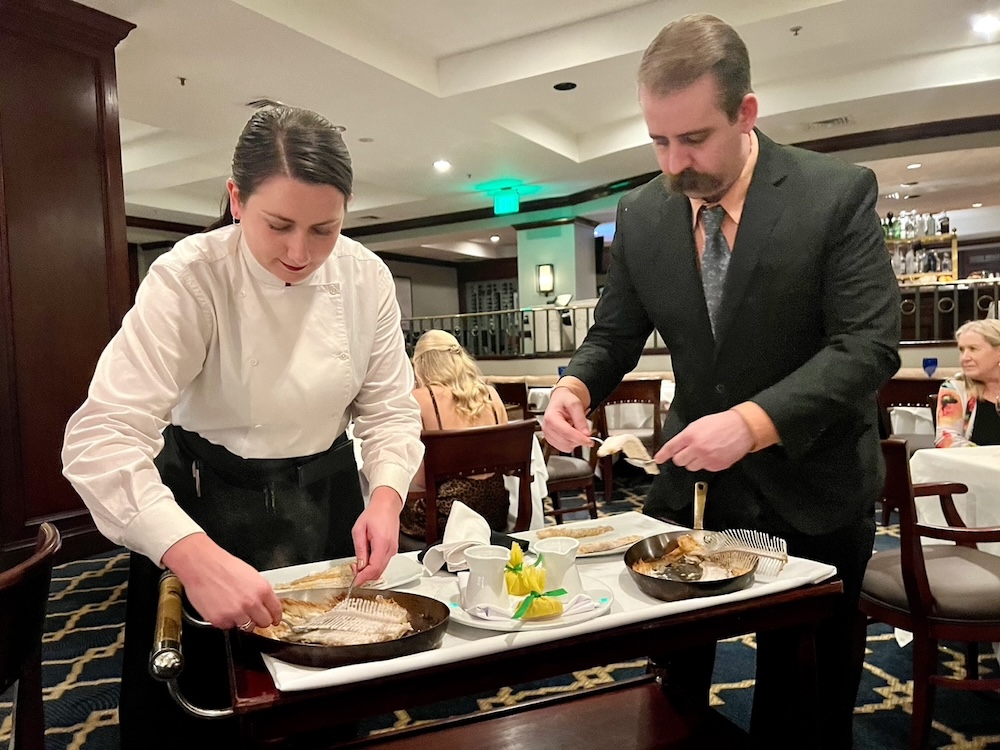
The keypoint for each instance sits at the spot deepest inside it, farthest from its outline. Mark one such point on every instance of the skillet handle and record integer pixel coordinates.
(166, 660)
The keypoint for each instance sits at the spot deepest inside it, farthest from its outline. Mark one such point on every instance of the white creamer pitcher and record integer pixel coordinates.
(559, 560)
(486, 585)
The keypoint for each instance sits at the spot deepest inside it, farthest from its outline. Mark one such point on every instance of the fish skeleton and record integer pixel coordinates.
(353, 622)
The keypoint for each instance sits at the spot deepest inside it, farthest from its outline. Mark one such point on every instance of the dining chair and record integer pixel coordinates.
(893, 394)
(936, 591)
(638, 391)
(515, 396)
(569, 473)
(24, 593)
(455, 454)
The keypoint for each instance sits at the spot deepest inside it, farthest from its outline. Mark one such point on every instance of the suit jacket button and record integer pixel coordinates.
(720, 389)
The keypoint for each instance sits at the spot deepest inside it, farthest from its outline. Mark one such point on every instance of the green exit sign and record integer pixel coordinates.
(506, 202)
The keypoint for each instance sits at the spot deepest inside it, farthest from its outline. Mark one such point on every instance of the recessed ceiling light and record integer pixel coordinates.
(977, 205)
(496, 237)
(892, 196)
(565, 86)
(986, 24)
(907, 197)
(366, 140)
(442, 165)
(914, 166)
(908, 184)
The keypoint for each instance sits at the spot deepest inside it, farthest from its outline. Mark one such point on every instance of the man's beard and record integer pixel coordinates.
(696, 184)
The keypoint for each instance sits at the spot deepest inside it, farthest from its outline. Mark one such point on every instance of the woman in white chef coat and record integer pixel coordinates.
(212, 441)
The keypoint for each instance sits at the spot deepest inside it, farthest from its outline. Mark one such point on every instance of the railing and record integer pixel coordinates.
(931, 313)
(528, 332)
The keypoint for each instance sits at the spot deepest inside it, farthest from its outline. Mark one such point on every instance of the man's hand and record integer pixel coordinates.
(376, 534)
(225, 590)
(712, 443)
(565, 424)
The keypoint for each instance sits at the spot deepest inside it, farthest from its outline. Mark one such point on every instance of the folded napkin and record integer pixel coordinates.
(465, 528)
(578, 604)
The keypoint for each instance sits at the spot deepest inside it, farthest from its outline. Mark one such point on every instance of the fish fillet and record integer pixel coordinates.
(629, 444)
(574, 533)
(591, 547)
(335, 577)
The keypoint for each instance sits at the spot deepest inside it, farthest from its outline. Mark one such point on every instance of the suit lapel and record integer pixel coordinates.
(764, 205)
(680, 261)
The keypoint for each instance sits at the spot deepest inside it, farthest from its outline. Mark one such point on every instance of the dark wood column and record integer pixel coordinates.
(64, 277)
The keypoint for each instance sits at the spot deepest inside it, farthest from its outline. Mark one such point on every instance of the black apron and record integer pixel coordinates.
(268, 512)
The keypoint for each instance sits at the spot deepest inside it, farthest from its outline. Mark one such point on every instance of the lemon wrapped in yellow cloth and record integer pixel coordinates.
(543, 606)
(537, 605)
(522, 579)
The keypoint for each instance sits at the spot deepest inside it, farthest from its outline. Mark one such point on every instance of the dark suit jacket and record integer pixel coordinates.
(808, 330)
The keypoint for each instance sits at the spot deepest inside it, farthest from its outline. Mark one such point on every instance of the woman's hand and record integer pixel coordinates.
(225, 590)
(376, 534)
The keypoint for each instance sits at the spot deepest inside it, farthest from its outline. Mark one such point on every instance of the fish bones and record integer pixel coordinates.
(353, 622)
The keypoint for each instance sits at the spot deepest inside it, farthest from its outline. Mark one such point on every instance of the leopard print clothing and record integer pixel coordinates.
(488, 497)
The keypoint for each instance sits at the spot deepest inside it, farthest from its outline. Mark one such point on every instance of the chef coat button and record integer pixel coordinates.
(344, 355)
(720, 389)
(335, 288)
(243, 292)
(253, 361)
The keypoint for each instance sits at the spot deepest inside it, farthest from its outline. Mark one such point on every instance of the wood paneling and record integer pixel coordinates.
(64, 277)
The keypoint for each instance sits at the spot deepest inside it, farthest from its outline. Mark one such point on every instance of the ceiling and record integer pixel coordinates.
(470, 81)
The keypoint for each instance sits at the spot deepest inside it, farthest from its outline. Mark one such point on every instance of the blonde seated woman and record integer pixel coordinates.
(968, 405)
(453, 396)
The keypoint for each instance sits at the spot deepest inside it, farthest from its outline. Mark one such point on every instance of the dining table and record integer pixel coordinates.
(978, 468)
(620, 416)
(276, 701)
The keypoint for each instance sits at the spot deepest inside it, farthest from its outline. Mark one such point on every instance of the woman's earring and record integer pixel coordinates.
(236, 221)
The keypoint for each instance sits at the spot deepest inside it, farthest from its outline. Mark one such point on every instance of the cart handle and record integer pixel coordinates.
(166, 660)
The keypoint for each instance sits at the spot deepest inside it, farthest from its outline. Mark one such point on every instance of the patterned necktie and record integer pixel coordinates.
(715, 259)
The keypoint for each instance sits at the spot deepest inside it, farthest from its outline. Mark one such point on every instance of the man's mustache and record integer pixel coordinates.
(689, 181)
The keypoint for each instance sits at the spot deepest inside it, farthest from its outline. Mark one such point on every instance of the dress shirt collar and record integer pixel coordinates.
(736, 196)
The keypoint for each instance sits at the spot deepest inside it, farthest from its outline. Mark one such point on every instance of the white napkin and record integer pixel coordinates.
(465, 528)
(578, 604)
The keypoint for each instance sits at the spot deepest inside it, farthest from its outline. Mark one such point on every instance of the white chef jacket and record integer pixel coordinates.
(218, 345)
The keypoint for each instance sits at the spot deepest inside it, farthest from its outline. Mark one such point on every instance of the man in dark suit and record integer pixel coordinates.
(764, 270)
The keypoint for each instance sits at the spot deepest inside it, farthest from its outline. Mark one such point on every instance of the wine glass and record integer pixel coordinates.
(930, 366)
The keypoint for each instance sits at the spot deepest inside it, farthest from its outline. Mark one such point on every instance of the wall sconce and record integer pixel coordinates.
(545, 278)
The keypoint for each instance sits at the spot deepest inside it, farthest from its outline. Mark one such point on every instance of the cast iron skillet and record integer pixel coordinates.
(671, 591)
(429, 619)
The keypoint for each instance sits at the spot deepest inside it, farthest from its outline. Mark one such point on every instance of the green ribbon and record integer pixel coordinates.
(526, 604)
(519, 568)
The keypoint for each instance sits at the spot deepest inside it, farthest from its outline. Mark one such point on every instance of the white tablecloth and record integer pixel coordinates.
(977, 468)
(620, 416)
(912, 420)
(630, 605)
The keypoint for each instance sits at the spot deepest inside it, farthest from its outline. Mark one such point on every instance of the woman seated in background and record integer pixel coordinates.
(452, 395)
(967, 407)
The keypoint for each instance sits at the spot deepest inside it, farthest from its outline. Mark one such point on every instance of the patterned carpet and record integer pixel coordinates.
(83, 641)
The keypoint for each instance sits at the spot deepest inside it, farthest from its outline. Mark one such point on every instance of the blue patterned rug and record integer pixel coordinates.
(83, 641)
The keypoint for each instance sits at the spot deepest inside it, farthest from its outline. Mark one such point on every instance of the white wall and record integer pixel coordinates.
(434, 289)
(973, 222)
